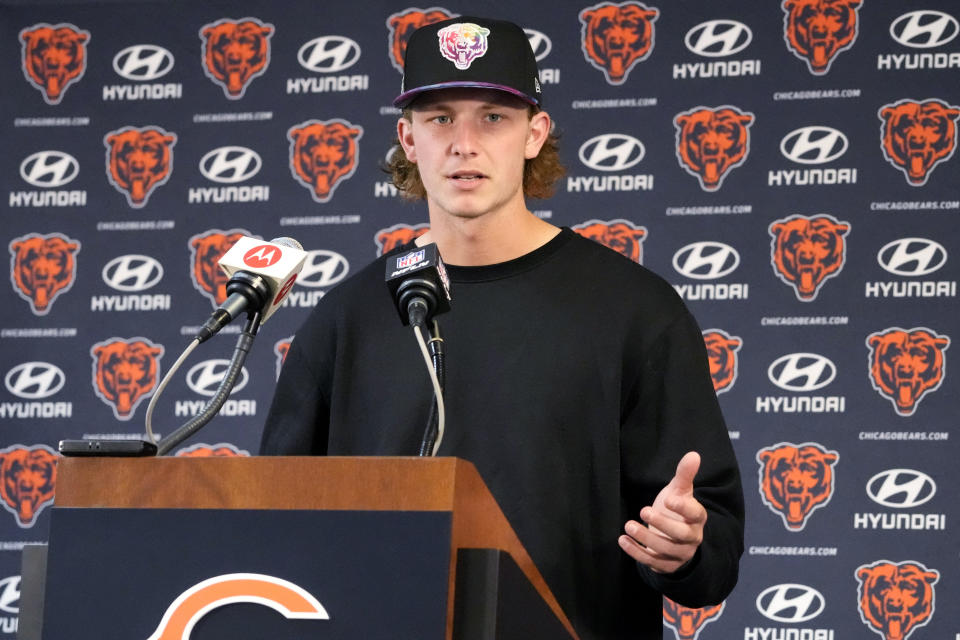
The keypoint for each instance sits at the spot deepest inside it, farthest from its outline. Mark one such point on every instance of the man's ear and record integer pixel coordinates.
(405, 136)
(538, 132)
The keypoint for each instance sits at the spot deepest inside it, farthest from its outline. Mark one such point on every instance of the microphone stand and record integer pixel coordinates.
(244, 343)
(435, 346)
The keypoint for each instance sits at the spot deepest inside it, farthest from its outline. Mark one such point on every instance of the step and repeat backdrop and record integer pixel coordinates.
(789, 166)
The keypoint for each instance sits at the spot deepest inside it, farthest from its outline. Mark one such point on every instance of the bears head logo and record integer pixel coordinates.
(280, 349)
(917, 136)
(615, 37)
(817, 30)
(42, 267)
(398, 235)
(125, 372)
(905, 365)
(622, 236)
(400, 27)
(722, 356)
(54, 57)
(896, 598)
(462, 43)
(27, 479)
(235, 52)
(806, 250)
(322, 154)
(222, 450)
(686, 622)
(795, 480)
(139, 160)
(711, 142)
(206, 249)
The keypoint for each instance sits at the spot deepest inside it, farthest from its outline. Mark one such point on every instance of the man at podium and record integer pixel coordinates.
(576, 379)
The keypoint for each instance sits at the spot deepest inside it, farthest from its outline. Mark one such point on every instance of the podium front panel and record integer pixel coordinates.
(114, 573)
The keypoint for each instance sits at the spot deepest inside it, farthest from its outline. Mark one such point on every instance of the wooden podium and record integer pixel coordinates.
(367, 547)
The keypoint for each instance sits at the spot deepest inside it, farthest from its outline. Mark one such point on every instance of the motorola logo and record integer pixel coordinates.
(706, 260)
(540, 43)
(329, 54)
(901, 488)
(34, 380)
(10, 595)
(912, 256)
(924, 29)
(611, 152)
(814, 145)
(132, 272)
(790, 603)
(143, 62)
(718, 38)
(228, 165)
(323, 268)
(205, 377)
(49, 169)
(802, 372)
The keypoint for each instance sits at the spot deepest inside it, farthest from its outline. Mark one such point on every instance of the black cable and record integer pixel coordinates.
(437, 356)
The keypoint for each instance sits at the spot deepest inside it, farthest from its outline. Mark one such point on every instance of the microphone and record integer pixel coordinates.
(418, 282)
(260, 274)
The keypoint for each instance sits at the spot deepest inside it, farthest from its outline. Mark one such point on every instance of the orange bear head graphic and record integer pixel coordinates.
(817, 30)
(54, 57)
(896, 598)
(686, 622)
(280, 349)
(139, 160)
(398, 235)
(615, 37)
(322, 154)
(906, 364)
(206, 249)
(917, 136)
(222, 450)
(28, 476)
(125, 372)
(622, 236)
(722, 356)
(235, 52)
(711, 142)
(806, 250)
(401, 26)
(42, 267)
(795, 480)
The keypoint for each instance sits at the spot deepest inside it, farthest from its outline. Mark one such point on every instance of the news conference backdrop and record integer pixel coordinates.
(790, 167)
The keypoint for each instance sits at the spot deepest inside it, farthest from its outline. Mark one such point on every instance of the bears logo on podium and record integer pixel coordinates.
(401, 25)
(917, 136)
(322, 154)
(896, 597)
(906, 365)
(235, 52)
(817, 30)
(125, 371)
(711, 142)
(622, 236)
(138, 161)
(54, 57)
(42, 267)
(795, 480)
(808, 250)
(222, 450)
(615, 37)
(28, 476)
(686, 622)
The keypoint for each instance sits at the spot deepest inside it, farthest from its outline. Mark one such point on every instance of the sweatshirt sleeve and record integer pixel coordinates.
(670, 409)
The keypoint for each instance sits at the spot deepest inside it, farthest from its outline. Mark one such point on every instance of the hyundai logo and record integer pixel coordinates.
(706, 260)
(205, 377)
(228, 165)
(323, 268)
(10, 595)
(802, 372)
(143, 62)
(924, 29)
(329, 54)
(718, 38)
(49, 169)
(901, 488)
(132, 272)
(790, 603)
(912, 256)
(34, 380)
(813, 145)
(611, 152)
(540, 43)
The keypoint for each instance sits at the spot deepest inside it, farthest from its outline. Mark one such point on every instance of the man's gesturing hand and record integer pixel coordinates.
(675, 522)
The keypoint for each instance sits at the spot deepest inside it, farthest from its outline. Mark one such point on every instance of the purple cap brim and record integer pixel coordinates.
(405, 98)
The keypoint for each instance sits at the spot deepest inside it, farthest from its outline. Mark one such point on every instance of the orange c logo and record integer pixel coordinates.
(194, 603)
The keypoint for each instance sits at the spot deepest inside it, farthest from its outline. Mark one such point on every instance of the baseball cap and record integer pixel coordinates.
(470, 52)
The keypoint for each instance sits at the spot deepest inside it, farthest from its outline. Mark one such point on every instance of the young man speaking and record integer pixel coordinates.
(576, 380)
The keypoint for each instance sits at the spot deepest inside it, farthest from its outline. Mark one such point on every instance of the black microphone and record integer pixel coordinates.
(418, 283)
(261, 275)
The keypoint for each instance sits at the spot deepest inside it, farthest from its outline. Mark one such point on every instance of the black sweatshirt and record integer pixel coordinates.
(576, 380)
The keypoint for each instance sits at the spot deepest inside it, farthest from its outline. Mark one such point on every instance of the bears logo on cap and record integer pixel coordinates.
(462, 43)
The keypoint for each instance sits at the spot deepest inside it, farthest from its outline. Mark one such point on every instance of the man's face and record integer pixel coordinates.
(470, 146)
